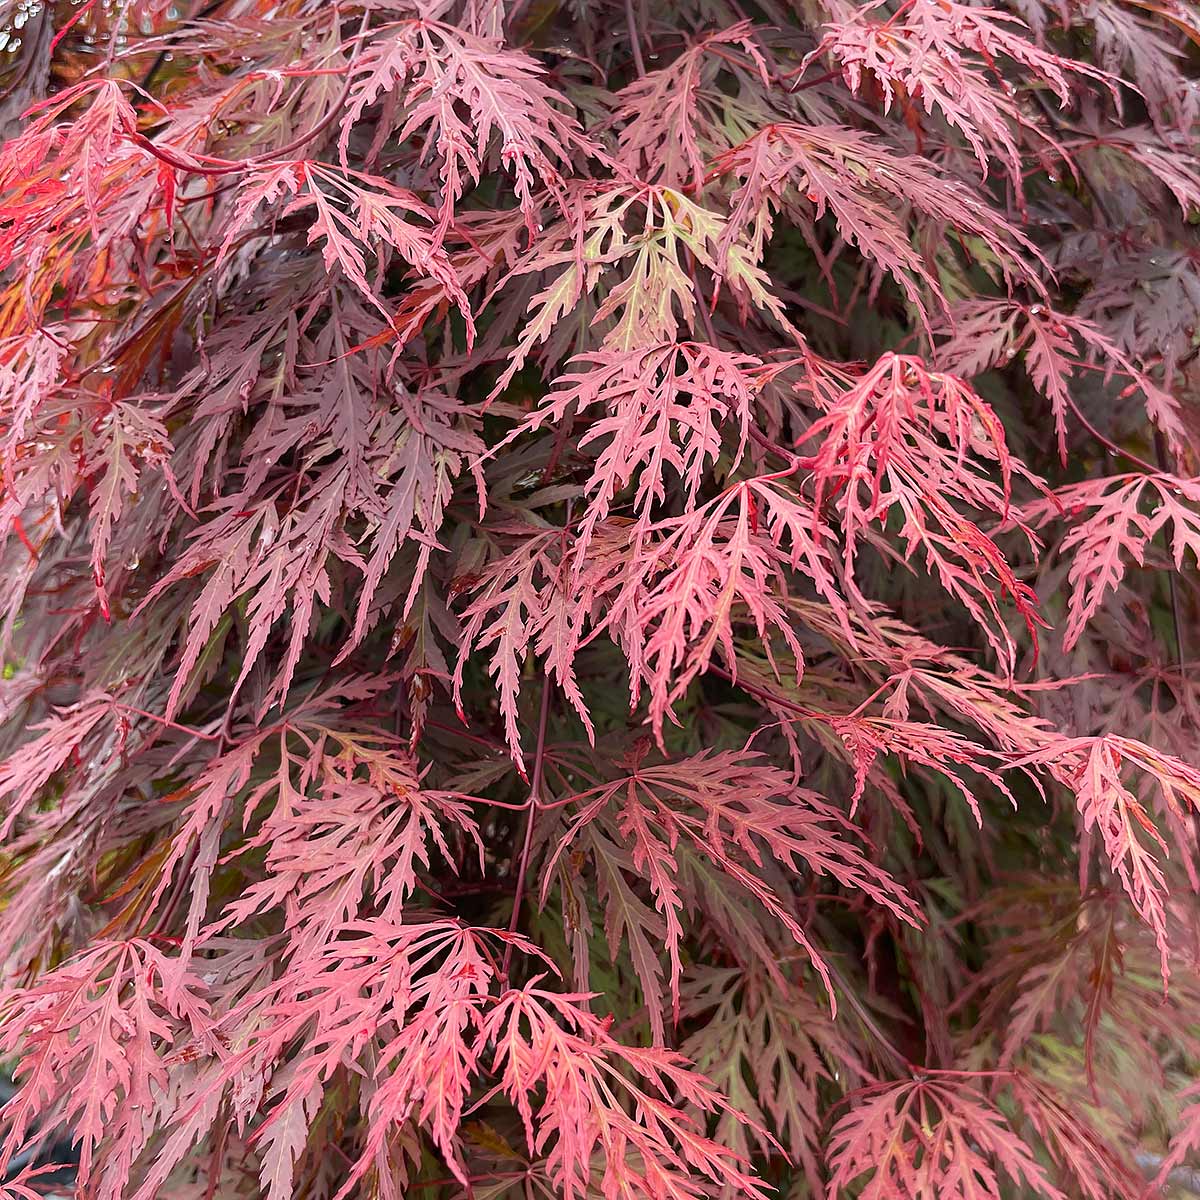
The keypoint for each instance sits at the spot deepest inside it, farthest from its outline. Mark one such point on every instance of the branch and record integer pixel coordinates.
(535, 795)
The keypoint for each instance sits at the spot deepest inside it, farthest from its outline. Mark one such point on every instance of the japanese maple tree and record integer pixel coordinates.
(599, 599)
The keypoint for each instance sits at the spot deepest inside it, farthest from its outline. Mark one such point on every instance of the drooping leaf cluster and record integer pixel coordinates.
(600, 599)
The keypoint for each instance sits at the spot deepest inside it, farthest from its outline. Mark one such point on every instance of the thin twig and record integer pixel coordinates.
(756, 435)
(1160, 452)
(768, 697)
(639, 63)
(535, 791)
(224, 166)
(812, 83)
(871, 1025)
(1109, 444)
(141, 712)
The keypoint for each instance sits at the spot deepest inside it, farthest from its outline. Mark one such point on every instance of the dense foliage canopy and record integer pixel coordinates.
(597, 597)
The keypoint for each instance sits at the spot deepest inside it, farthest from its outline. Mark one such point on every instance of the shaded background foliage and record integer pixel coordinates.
(599, 598)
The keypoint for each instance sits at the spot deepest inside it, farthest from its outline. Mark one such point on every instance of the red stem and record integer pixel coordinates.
(1133, 458)
(224, 166)
(768, 697)
(535, 789)
(639, 63)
